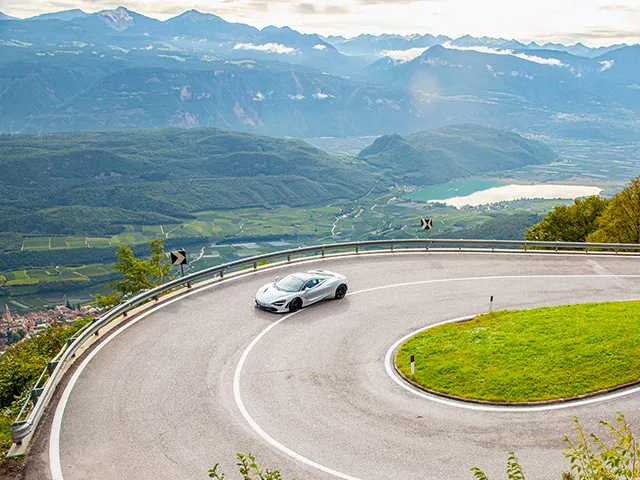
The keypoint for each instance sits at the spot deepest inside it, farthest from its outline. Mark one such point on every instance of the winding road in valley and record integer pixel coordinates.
(192, 382)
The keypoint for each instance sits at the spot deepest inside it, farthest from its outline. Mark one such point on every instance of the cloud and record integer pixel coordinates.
(306, 8)
(524, 56)
(314, 9)
(393, 2)
(298, 96)
(606, 64)
(321, 96)
(320, 47)
(599, 35)
(404, 55)
(619, 8)
(267, 47)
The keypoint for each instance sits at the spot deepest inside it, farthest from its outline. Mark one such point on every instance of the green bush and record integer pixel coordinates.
(20, 367)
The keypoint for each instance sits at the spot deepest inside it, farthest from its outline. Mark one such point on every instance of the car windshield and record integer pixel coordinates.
(290, 283)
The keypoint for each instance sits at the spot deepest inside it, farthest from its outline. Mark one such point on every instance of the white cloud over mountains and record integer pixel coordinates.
(404, 55)
(524, 56)
(267, 47)
(606, 64)
(413, 53)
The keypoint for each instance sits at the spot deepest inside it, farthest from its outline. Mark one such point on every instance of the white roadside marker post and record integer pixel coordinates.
(491, 304)
(413, 365)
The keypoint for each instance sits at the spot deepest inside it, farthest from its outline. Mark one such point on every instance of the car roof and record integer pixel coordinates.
(304, 276)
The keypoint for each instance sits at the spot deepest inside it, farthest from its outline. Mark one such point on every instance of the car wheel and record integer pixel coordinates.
(295, 305)
(341, 291)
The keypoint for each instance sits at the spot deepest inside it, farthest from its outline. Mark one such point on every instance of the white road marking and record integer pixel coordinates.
(54, 438)
(296, 456)
(252, 423)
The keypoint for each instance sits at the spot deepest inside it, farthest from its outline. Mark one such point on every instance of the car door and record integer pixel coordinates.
(312, 290)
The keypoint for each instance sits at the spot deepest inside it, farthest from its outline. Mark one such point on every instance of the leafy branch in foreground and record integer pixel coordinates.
(591, 458)
(137, 273)
(248, 469)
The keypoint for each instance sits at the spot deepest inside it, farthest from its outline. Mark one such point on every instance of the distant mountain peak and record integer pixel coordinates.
(197, 16)
(4, 16)
(119, 19)
(62, 15)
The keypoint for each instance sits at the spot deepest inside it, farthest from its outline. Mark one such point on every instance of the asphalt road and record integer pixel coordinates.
(157, 401)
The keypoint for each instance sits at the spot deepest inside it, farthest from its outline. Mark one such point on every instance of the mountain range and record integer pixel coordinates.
(117, 69)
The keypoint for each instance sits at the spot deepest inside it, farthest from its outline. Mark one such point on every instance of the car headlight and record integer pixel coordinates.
(279, 303)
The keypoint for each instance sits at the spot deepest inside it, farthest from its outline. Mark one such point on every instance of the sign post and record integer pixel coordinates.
(179, 257)
(426, 224)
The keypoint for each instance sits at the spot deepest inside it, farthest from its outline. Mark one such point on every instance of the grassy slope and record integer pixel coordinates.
(530, 355)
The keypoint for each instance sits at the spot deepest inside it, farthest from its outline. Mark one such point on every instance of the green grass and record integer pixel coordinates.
(529, 355)
(58, 242)
(36, 243)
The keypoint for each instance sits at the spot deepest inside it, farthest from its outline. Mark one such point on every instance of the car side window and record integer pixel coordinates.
(311, 283)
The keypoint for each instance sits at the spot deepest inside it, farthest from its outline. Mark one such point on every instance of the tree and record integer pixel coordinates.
(572, 223)
(590, 457)
(620, 222)
(158, 268)
(137, 273)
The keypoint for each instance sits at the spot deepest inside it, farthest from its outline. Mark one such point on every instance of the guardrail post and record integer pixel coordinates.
(323, 252)
(288, 258)
(189, 285)
(392, 248)
(155, 297)
(525, 246)
(51, 366)
(19, 430)
(357, 250)
(255, 265)
(556, 249)
(35, 394)
(221, 273)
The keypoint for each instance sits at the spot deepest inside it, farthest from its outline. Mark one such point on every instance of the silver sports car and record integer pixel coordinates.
(298, 290)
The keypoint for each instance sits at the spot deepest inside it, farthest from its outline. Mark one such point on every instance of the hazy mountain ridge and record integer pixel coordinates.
(117, 69)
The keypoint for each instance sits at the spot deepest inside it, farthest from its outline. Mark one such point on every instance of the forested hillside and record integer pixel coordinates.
(92, 183)
(437, 156)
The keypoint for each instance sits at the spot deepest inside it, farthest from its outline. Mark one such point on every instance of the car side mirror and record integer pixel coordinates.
(276, 279)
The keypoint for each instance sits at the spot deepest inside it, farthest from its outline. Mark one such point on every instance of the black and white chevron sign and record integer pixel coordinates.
(179, 257)
(426, 223)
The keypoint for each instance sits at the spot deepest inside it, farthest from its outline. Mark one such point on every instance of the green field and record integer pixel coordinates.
(529, 355)
(31, 276)
(220, 235)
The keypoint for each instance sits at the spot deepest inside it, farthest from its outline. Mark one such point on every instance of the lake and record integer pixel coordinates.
(493, 192)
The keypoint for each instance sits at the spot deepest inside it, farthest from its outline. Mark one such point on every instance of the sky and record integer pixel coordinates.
(592, 22)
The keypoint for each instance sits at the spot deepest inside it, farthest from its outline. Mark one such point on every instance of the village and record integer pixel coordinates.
(15, 327)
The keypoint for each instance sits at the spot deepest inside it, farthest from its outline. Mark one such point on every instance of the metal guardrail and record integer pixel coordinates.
(44, 388)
